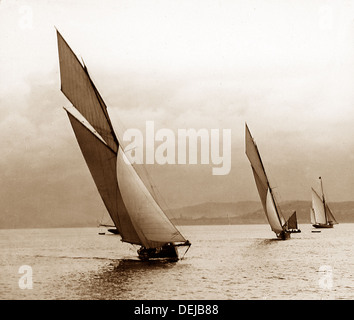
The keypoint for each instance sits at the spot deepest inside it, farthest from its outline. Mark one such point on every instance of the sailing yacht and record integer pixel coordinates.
(136, 214)
(320, 214)
(278, 224)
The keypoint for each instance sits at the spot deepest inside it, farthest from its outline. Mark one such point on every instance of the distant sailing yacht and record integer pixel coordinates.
(135, 212)
(275, 218)
(321, 215)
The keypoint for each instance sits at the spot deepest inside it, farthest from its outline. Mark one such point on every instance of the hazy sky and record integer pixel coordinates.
(284, 67)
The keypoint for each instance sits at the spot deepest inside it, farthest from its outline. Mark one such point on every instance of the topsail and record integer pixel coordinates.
(78, 87)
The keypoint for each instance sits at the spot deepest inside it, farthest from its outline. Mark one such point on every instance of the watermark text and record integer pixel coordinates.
(191, 146)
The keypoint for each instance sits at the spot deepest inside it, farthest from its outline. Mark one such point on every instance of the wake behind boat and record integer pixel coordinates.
(320, 214)
(135, 213)
(277, 222)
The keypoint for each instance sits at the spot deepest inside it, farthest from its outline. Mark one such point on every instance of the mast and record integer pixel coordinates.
(324, 201)
(323, 198)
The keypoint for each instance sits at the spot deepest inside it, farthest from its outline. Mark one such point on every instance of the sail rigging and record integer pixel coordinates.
(321, 215)
(271, 209)
(135, 212)
(330, 216)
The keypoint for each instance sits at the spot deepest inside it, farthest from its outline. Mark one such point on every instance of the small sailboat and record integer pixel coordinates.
(111, 228)
(291, 224)
(278, 224)
(136, 214)
(320, 214)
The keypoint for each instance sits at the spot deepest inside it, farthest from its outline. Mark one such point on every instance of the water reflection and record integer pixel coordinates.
(241, 262)
(122, 264)
(123, 278)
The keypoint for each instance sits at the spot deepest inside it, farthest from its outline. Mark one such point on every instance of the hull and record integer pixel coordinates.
(284, 235)
(168, 251)
(114, 231)
(294, 231)
(319, 225)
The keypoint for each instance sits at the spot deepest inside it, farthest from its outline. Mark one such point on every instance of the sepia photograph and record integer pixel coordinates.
(191, 152)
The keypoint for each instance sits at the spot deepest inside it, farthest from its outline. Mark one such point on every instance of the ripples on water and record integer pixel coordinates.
(224, 262)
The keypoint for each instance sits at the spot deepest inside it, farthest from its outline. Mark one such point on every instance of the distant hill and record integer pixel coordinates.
(251, 212)
(212, 212)
(243, 212)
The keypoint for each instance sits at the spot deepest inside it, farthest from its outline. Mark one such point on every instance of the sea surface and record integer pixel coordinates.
(225, 262)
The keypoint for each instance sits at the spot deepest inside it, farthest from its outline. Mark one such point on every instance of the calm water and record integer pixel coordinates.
(224, 262)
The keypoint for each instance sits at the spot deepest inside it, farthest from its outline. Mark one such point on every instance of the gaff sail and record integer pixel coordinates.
(321, 214)
(318, 208)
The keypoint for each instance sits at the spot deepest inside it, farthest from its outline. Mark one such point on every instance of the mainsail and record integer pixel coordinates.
(271, 209)
(318, 208)
(321, 215)
(135, 213)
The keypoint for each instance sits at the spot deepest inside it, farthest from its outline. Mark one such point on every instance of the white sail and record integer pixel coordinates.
(318, 208)
(272, 214)
(312, 216)
(151, 224)
(101, 161)
(257, 167)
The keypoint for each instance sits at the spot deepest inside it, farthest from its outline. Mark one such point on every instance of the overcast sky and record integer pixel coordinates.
(284, 67)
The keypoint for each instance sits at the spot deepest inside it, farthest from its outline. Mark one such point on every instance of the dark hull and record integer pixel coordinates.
(285, 235)
(114, 231)
(294, 230)
(323, 226)
(165, 252)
